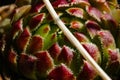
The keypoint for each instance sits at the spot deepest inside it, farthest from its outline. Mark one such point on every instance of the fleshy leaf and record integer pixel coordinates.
(76, 24)
(107, 42)
(77, 12)
(61, 72)
(43, 30)
(23, 39)
(107, 39)
(38, 7)
(17, 26)
(114, 61)
(81, 37)
(60, 3)
(36, 20)
(87, 73)
(12, 59)
(12, 56)
(49, 40)
(102, 5)
(21, 11)
(55, 50)
(44, 63)
(114, 55)
(92, 28)
(92, 49)
(66, 55)
(26, 65)
(81, 3)
(36, 44)
(110, 23)
(94, 12)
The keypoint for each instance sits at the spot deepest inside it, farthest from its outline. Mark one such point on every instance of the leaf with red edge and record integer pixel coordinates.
(87, 72)
(43, 30)
(114, 61)
(36, 20)
(36, 44)
(61, 72)
(38, 7)
(106, 39)
(23, 39)
(12, 59)
(26, 65)
(107, 42)
(81, 3)
(77, 1)
(113, 55)
(66, 55)
(94, 12)
(55, 50)
(75, 24)
(44, 63)
(93, 50)
(81, 37)
(109, 23)
(102, 5)
(92, 28)
(60, 3)
(77, 12)
(16, 27)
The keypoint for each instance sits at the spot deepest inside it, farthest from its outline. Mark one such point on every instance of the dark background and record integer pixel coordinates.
(119, 1)
(5, 2)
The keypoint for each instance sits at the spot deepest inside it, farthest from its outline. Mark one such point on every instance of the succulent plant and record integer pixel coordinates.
(34, 48)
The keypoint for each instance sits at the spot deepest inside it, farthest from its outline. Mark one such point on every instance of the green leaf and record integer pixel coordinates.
(43, 30)
(49, 40)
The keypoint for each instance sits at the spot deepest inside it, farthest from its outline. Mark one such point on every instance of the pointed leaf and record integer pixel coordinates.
(43, 30)
(49, 40)
(77, 12)
(17, 26)
(114, 61)
(107, 39)
(36, 44)
(44, 63)
(37, 7)
(36, 20)
(55, 50)
(12, 59)
(60, 3)
(26, 65)
(61, 73)
(81, 3)
(92, 28)
(94, 12)
(93, 50)
(66, 55)
(81, 37)
(21, 11)
(23, 39)
(76, 24)
(87, 72)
